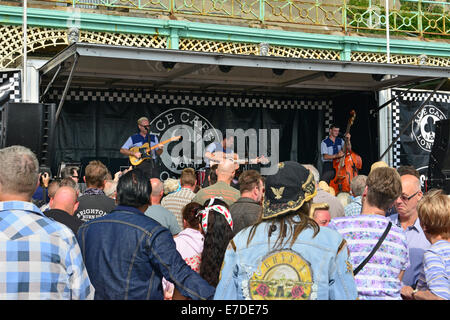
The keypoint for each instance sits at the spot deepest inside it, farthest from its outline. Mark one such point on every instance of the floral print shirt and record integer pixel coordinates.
(378, 279)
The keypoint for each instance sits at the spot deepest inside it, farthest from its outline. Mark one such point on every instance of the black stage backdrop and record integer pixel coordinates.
(415, 144)
(94, 124)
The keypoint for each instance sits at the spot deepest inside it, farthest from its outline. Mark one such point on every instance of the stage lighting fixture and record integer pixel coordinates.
(329, 75)
(278, 72)
(377, 77)
(168, 65)
(225, 69)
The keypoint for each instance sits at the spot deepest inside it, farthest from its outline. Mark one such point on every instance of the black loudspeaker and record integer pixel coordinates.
(439, 163)
(115, 164)
(30, 125)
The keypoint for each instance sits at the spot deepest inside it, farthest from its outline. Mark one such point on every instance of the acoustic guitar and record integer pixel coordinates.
(145, 150)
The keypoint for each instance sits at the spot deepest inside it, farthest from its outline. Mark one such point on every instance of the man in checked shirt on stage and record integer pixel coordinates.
(39, 258)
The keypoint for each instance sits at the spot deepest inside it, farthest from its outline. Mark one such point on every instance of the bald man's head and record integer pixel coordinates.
(157, 186)
(225, 171)
(65, 199)
(157, 190)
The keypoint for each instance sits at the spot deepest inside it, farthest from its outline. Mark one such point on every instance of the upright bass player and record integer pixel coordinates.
(331, 148)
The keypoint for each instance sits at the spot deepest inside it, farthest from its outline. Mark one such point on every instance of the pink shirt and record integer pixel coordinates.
(189, 244)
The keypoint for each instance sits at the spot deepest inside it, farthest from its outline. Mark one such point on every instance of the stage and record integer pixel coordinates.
(99, 91)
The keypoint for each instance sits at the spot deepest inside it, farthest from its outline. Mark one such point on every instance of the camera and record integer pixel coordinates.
(44, 172)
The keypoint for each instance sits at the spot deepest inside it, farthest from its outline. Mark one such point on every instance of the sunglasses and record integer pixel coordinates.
(406, 198)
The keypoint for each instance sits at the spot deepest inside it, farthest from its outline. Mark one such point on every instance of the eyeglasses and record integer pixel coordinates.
(75, 177)
(406, 198)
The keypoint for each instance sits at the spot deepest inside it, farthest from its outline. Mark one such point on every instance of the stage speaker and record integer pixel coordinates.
(30, 125)
(116, 164)
(439, 163)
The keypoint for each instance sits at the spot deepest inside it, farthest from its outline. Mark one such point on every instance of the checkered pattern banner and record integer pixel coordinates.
(192, 99)
(10, 91)
(396, 131)
(10, 86)
(415, 144)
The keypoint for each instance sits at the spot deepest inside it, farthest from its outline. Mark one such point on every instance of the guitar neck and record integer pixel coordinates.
(164, 142)
(145, 149)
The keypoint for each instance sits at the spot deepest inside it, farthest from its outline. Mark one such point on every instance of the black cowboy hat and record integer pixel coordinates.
(287, 190)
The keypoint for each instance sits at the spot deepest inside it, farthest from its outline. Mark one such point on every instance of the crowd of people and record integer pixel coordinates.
(282, 236)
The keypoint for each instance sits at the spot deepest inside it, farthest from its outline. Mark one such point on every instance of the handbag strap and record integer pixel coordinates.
(380, 241)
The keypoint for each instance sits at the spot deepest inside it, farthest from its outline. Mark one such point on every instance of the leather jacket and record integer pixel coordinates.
(127, 254)
(313, 268)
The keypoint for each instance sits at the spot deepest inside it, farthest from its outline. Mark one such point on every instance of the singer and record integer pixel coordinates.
(330, 148)
(151, 165)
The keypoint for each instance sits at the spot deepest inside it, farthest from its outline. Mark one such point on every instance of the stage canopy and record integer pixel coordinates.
(112, 86)
(107, 66)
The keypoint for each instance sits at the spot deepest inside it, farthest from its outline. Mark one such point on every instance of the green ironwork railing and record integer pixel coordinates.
(413, 17)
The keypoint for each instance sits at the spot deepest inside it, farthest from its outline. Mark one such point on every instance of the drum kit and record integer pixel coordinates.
(201, 176)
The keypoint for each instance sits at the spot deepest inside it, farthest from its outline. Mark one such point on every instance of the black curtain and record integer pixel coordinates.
(97, 129)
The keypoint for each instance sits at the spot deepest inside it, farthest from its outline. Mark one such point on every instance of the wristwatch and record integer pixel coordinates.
(413, 293)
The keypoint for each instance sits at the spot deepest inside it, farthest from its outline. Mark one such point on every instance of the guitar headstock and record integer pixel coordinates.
(352, 117)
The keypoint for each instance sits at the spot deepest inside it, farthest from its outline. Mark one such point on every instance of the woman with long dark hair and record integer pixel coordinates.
(217, 225)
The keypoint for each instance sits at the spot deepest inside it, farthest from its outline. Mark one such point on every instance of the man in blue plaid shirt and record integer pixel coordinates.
(356, 188)
(39, 258)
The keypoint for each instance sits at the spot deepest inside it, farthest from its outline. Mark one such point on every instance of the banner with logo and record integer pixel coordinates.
(10, 91)
(10, 86)
(96, 124)
(415, 144)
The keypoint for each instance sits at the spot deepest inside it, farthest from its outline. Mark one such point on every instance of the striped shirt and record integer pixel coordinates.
(219, 189)
(435, 275)
(378, 279)
(176, 201)
(39, 258)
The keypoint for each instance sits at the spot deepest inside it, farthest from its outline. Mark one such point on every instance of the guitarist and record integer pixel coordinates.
(150, 166)
(331, 148)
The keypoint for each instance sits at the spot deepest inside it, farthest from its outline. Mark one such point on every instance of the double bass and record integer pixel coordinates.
(347, 166)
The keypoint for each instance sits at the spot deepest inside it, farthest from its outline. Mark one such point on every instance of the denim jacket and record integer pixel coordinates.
(313, 268)
(127, 254)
